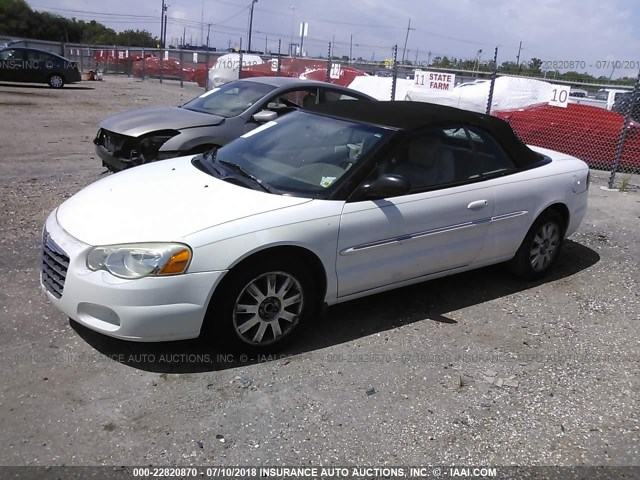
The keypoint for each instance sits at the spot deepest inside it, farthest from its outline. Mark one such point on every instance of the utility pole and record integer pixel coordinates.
(253, 2)
(351, 48)
(304, 29)
(208, 33)
(518, 58)
(266, 41)
(404, 50)
(202, 25)
(293, 14)
(164, 40)
(162, 25)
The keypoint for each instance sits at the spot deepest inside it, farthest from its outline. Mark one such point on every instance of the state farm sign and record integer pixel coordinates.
(435, 80)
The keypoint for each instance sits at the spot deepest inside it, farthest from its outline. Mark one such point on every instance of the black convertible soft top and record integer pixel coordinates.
(411, 115)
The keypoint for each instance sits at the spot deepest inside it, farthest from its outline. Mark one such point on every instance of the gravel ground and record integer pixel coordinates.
(473, 369)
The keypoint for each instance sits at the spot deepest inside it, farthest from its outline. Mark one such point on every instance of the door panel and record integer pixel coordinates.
(386, 241)
(11, 65)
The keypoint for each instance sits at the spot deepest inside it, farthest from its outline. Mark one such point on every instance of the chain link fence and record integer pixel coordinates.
(598, 123)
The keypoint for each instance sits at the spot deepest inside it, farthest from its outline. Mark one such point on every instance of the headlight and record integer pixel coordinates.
(141, 259)
(150, 145)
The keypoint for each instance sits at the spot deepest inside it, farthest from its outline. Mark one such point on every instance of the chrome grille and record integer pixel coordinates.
(55, 264)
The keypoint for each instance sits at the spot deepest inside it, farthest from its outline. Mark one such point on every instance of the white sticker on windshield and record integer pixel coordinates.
(261, 128)
(206, 94)
(326, 181)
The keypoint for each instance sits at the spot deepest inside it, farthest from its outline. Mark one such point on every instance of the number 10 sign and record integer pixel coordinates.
(559, 96)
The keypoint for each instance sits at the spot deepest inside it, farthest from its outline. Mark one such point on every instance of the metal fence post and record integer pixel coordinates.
(240, 60)
(493, 80)
(394, 74)
(279, 59)
(161, 65)
(143, 64)
(181, 68)
(328, 76)
(623, 134)
(206, 72)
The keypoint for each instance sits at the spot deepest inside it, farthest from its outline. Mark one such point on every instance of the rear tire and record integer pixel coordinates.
(540, 248)
(56, 81)
(262, 306)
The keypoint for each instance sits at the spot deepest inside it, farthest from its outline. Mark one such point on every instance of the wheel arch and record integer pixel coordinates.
(562, 210)
(288, 251)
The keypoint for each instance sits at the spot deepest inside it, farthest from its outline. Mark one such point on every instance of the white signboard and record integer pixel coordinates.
(336, 70)
(435, 80)
(304, 29)
(560, 96)
(274, 65)
(166, 54)
(195, 57)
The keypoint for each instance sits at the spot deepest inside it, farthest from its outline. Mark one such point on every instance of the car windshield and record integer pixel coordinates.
(229, 100)
(302, 153)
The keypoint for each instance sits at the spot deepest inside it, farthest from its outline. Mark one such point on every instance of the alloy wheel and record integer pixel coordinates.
(544, 246)
(268, 308)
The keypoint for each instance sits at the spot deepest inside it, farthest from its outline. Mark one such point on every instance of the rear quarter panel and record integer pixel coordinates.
(521, 198)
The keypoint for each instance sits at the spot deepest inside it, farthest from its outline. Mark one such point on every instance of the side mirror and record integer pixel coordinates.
(265, 116)
(385, 186)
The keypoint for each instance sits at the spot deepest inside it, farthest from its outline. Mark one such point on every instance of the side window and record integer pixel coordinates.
(33, 56)
(337, 96)
(10, 55)
(292, 100)
(425, 159)
(491, 158)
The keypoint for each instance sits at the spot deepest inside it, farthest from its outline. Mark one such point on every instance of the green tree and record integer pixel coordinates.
(17, 19)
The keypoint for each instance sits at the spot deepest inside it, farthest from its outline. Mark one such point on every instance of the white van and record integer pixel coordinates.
(609, 95)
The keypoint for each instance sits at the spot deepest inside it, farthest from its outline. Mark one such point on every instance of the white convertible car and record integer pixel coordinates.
(250, 241)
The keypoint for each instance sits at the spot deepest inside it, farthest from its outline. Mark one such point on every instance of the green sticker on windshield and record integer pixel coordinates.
(326, 181)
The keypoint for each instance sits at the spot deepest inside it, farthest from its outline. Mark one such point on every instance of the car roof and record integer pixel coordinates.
(19, 47)
(406, 115)
(289, 82)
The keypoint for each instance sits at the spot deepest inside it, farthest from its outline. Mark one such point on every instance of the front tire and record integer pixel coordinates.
(540, 248)
(56, 81)
(263, 305)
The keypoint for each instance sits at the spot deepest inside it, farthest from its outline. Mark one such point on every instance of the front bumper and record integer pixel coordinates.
(117, 164)
(147, 310)
(109, 160)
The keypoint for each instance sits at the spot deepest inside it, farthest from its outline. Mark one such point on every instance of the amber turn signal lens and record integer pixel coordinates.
(177, 263)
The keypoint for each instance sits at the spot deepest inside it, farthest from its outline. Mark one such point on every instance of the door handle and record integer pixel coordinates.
(477, 205)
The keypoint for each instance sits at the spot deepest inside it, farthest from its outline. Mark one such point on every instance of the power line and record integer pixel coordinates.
(85, 12)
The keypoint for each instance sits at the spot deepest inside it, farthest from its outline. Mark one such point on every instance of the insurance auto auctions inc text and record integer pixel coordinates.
(377, 472)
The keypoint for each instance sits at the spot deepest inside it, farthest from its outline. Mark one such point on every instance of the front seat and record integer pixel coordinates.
(309, 100)
(429, 162)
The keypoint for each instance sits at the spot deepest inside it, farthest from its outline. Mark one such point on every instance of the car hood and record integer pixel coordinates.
(163, 201)
(145, 120)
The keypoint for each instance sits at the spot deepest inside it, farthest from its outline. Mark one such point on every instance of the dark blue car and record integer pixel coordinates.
(20, 64)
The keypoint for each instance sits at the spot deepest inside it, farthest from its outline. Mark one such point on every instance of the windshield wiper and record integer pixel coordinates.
(206, 163)
(237, 168)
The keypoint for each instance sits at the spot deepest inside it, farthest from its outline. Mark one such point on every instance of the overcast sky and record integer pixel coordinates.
(581, 30)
